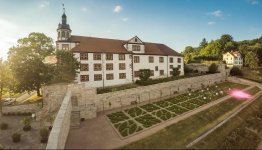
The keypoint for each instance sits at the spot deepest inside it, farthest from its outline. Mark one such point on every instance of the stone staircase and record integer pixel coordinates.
(75, 118)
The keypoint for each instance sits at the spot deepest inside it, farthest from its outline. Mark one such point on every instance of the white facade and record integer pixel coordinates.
(102, 71)
(157, 66)
(233, 59)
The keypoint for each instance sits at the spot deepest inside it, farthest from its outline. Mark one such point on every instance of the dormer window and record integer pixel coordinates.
(135, 48)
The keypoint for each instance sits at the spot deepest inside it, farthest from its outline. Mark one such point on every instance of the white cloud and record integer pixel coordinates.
(125, 19)
(118, 9)
(253, 2)
(44, 4)
(84, 9)
(211, 23)
(217, 13)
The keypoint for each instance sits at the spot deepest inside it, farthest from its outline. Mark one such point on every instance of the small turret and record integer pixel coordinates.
(63, 30)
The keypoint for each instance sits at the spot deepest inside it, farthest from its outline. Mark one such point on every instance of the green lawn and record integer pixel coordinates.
(154, 113)
(178, 135)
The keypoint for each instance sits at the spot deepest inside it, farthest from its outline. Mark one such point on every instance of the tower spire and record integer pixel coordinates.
(63, 8)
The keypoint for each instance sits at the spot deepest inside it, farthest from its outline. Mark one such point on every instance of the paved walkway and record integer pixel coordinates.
(98, 133)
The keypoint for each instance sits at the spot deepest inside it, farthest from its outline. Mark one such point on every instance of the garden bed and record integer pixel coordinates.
(148, 115)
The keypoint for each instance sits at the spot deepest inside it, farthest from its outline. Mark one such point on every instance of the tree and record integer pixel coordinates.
(144, 74)
(212, 49)
(251, 60)
(66, 68)
(175, 72)
(203, 43)
(26, 62)
(189, 53)
(213, 68)
(225, 38)
(4, 79)
(230, 46)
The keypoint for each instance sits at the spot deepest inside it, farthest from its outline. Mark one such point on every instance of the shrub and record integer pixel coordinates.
(212, 68)
(175, 72)
(26, 121)
(235, 71)
(16, 137)
(187, 70)
(4, 126)
(144, 74)
(44, 135)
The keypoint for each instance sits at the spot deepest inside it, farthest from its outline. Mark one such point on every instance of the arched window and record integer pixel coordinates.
(67, 34)
(63, 33)
(58, 34)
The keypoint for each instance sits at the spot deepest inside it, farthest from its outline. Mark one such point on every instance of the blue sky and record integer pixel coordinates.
(176, 23)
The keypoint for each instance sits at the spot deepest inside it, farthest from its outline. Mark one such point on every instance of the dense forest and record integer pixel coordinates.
(251, 50)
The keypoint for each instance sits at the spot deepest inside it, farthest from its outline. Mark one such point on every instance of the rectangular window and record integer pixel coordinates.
(122, 76)
(136, 47)
(83, 67)
(151, 59)
(179, 66)
(161, 59)
(136, 59)
(83, 56)
(136, 73)
(151, 72)
(97, 56)
(121, 56)
(171, 60)
(161, 73)
(84, 78)
(110, 76)
(97, 67)
(65, 46)
(122, 66)
(171, 72)
(109, 66)
(156, 68)
(178, 60)
(97, 77)
(109, 56)
(171, 67)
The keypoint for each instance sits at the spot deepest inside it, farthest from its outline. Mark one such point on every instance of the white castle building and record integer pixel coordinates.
(108, 62)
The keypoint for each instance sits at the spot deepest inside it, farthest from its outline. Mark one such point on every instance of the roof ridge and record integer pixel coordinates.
(96, 37)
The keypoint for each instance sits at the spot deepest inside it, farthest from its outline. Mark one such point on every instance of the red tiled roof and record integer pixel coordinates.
(102, 45)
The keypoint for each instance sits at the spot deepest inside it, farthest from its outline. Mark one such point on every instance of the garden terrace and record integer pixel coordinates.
(178, 135)
(243, 131)
(152, 114)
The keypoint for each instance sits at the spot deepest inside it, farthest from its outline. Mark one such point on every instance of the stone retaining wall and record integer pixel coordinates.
(89, 102)
(122, 98)
(23, 108)
(61, 126)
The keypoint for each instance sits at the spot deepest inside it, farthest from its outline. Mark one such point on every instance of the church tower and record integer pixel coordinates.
(63, 30)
